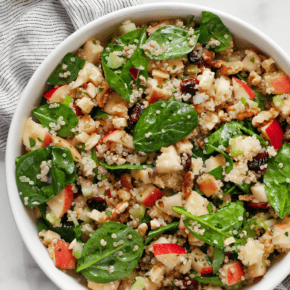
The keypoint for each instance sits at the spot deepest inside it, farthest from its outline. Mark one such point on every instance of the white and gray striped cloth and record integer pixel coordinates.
(29, 31)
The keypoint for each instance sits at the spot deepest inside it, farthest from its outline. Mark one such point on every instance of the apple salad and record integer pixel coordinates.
(160, 160)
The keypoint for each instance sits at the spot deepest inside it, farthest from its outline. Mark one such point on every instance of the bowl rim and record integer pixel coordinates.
(280, 271)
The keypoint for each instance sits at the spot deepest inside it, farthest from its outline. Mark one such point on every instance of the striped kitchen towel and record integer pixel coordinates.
(29, 31)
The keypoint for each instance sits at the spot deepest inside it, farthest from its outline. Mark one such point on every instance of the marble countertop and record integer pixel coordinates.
(18, 270)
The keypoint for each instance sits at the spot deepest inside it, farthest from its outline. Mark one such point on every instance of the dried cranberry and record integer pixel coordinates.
(194, 57)
(187, 284)
(134, 114)
(187, 161)
(188, 86)
(97, 203)
(78, 110)
(258, 161)
(258, 205)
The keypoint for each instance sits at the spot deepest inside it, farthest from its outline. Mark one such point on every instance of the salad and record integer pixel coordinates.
(160, 160)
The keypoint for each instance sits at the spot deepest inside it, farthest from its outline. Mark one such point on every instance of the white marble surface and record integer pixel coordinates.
(17, 269)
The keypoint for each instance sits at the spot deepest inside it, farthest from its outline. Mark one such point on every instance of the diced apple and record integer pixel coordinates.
(91, 51)
(149, 194)
(57, 95)
(87, 124)
(200, 263)
(277, 82)
(62, 255)
(283, 106)
(142, 176)
(58, 141)
(196, 205)
(85, 104)
(252, 61)
(119, 136)
(215, 161)
(206, 79)
(196, 165)
(232, 273)
(152, 29)
(281, 235)
(156, 93)
(126, 180)
(39, 134)
(167, 202)
(116, 106)
(259, 193)
(208, 185)
(241, 89)
(62, 202)
(169, 254)
(274, 133)
(184, 146)
(256, 270)
(168, 161)
(107, 286)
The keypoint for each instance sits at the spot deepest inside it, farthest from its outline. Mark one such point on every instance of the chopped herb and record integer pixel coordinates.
(159, 87)
(209, 207)
(40, 140)
(108, 213)
(174, 67)
(31, 142)
(286, 234)
(253, 60)
(94, 42)
(101, 90)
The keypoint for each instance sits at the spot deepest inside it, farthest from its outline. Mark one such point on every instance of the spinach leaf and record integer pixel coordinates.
(98, 113)
(218, 225)
(62, 172)
(41, 225)
(261, 99)
(125, 166)
(67, 231)
(245, 187)
(275, 180)
(47, 115)
(218, 259)
(175, 39)
(198, 153)
(208, 279)
(163, 123)
(227, 131)
(73, 64)
(213, 27)
(189, 22)
(122, 79)
(217, 172)
(159, 231)
(96, 259)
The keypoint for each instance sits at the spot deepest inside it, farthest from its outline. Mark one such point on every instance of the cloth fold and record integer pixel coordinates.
(29, 31)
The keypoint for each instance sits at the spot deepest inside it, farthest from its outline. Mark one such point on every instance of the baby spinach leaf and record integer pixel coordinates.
(217, 225)
(198, 153)
(125, 166)
(218, 259)
(189, 22)
(208, 279)
(67, 231)
(227, 131)
(215, 29)
(98, 113)
(217, 172)
(261, 99)
(121, 254)
(245, 187)
(47, 115)
(275, 180)
(153, 234)
(70, 63)
(122, 79)
(41, 225)
(62, 172)
(175, 39)
(163, 123)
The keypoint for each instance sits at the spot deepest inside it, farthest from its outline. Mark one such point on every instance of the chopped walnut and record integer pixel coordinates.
(265, 116)
(230, 68)
(254, 79)
(208, 57)
(249, 112)
(268, 65)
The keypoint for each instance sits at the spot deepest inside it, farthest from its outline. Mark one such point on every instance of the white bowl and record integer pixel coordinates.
(244, 34)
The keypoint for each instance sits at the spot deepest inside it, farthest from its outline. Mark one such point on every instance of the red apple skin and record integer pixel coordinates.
(246, 88)
(49, 94)
(63, 257)
(108, 134)
(151, 198)
(258, 205)
(275, 134)
(281, 84)
(47, 140)
(236, 276)
(155, 97)
(78, 110)
(164, 249)
(206, 270)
